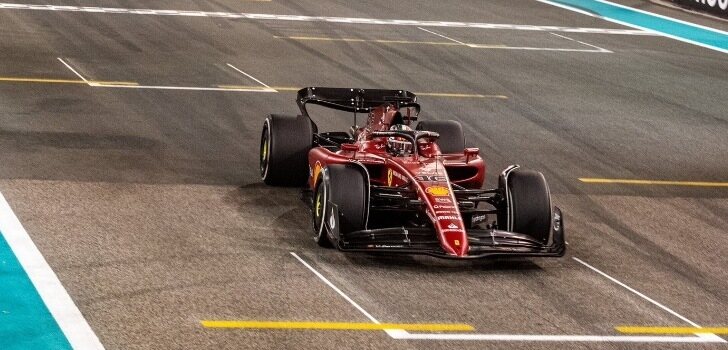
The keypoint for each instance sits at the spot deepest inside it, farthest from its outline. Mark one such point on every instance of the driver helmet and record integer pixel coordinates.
(399, 145)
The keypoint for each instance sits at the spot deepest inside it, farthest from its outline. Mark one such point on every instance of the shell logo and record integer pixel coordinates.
(438, 191)
(390, 174)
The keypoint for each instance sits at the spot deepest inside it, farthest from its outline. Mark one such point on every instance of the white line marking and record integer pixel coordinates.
(478, 46)
(187, 88)
(252, 77)
(74, 71)
(583, 43)
(50, 289)
(442, 36)
(404, 335)
(663, 307)
(654, 302)
(654, 32)
(392, 332)
(343, 20)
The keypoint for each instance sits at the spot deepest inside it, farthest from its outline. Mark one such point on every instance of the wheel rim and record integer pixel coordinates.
(319, 211)
(264, 150)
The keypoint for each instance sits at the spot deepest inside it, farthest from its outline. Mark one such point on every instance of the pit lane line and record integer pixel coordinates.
(400, 334)
(327, 19)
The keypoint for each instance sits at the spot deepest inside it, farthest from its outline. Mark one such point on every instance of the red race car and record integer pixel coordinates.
(386, 187)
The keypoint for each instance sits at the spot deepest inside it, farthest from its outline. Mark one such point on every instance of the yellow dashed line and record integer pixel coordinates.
(433, 94)
(351, 326)
(671, 330)
(98, 83)
(232, 87)
(653, 182)
(439, 94)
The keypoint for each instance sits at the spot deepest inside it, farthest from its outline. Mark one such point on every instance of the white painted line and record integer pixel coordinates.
(252, 77)
(653, 32)
(663, 307)
(74, 71)
(342, 20)
(50, 289)
(404, 335)
(442, 36)
(698, 338)
(652, 301)
(583, 43)
(186, 88)
(392, 332)
(478, 46)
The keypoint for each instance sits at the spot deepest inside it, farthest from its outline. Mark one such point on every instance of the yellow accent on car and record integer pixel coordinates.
(438, 191)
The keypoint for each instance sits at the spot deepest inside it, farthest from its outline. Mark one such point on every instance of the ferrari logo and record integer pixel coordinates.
(457, 242)
(390, 174)
(438, 191)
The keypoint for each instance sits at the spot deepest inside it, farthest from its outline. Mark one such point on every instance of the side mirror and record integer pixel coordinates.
(471, 153)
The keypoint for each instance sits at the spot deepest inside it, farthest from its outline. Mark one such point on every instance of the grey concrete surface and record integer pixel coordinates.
(149, 207)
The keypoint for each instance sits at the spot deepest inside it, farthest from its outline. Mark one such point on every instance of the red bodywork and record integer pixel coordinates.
(429, 173)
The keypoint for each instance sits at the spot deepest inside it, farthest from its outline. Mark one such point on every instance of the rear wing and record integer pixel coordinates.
(355, 100)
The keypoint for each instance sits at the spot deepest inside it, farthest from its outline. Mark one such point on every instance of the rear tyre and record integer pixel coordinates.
(284, 146)
(452, 138)
(346, 186)
(528, 204)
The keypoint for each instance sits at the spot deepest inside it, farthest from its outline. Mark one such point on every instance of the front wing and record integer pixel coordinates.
(483, 243)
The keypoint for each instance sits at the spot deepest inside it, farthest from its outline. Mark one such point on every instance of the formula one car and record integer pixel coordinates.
(385, 187)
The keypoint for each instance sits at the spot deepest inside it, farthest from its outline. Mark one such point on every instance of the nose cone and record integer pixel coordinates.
(449, 223)
(457, 241)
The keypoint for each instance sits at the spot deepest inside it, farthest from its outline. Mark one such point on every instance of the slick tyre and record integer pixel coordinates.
(284, 145)
(528, 203)
(452, 138)
(347, 187)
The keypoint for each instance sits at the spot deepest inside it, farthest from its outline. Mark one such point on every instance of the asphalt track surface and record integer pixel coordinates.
(147, 203)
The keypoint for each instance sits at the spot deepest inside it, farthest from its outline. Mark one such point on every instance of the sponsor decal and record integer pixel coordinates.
(457, 242)
(316, 172)
(438, 191)
(332, 221)
(452, 230)
(391, 174)
(438, 206)
(452, 226)
(712, 4)
(479, 218)
(443, 200)
(431, 178)
(448, 217)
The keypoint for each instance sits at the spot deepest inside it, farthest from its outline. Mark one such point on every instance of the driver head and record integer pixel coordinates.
(399, 146)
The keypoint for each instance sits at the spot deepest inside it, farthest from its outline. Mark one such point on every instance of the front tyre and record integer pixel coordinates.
(343, 189)
(284, 146)
(528, 204)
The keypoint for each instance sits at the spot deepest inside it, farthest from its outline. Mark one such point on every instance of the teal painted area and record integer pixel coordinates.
(652, 22)
(25, 322)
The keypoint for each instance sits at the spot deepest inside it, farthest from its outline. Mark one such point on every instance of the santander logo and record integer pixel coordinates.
(723, 4)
